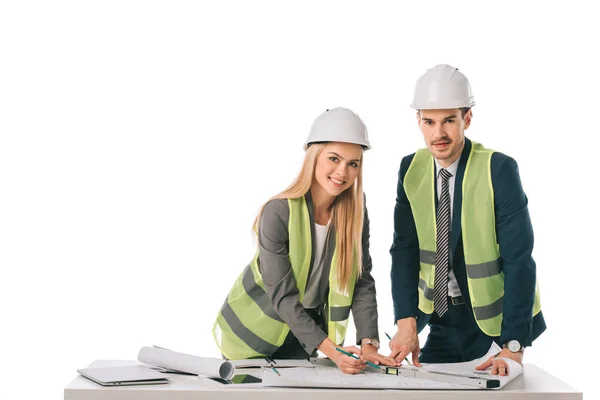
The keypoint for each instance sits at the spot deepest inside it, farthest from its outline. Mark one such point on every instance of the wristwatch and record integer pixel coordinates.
(513, 346)
(372, 342)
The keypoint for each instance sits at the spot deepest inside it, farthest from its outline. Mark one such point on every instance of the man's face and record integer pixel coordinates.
(444, 133)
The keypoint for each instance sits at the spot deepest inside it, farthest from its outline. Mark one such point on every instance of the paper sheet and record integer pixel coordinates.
(468, 368)
(211, 367)
(324, 376)
(332, 377)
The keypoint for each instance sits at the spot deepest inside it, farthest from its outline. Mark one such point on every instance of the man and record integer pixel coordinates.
(461, 253)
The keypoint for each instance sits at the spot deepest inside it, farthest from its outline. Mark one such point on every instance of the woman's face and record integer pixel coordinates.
(338, 166)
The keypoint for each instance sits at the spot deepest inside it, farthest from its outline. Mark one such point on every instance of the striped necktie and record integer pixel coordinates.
(442, 241)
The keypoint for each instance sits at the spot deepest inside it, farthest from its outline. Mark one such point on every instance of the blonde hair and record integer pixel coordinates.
(347, 214)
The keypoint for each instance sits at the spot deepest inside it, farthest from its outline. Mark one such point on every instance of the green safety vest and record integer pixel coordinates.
(248, 326)
(481, 250)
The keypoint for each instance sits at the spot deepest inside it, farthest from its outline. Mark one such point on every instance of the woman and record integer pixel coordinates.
(296, 295)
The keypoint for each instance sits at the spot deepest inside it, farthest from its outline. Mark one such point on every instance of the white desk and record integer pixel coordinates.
(535, 384)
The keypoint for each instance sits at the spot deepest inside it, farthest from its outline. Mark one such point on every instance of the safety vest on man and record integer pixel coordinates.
(248, 326)
(485, 277)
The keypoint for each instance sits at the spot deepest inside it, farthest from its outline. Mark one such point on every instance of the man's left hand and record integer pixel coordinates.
(500, 366)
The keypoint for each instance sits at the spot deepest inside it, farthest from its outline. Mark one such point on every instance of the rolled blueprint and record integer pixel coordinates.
(206, 366)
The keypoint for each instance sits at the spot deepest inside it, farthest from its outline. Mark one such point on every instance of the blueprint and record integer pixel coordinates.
(329, 376)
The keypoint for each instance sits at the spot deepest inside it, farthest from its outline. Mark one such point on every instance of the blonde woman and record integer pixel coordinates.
(313, 265)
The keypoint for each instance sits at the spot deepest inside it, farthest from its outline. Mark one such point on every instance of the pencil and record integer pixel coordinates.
(355, 357)
(271, 362)
(406, 358)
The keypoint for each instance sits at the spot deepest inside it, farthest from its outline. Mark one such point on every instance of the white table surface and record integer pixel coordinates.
(535, 383)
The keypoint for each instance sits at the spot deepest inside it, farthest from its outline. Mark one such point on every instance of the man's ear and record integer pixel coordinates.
(468, 117)
(418, 117)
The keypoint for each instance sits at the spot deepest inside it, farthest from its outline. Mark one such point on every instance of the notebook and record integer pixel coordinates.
(124, 375)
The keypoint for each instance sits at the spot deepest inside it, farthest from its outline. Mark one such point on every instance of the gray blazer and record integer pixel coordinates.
(280, 285)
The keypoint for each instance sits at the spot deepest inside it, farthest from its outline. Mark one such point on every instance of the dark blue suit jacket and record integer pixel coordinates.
(515, 237)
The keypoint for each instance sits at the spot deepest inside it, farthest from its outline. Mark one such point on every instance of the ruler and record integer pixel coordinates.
(449, 377)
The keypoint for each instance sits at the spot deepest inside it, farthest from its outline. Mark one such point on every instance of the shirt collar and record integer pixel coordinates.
(452, 168)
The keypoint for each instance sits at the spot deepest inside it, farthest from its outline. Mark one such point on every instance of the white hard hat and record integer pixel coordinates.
(442, 87)
(338, 125)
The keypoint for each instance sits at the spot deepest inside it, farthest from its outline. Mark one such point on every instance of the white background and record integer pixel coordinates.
(139, 139)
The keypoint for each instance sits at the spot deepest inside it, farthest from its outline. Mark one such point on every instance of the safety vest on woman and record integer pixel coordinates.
(248, 326)
(485, 277)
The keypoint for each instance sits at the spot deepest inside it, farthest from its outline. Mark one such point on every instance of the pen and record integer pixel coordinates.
(406, 358)
(355, 357)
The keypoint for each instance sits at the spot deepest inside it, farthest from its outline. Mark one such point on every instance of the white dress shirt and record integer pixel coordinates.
(453, 289)
(313, 295)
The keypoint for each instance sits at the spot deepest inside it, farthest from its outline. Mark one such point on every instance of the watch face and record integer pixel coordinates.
(514, 346)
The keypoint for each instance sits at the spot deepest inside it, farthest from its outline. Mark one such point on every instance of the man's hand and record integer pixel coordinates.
(406, 341)
(370, 353)
(500, 366)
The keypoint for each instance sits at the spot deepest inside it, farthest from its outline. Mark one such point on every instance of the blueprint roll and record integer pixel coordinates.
(172, 360)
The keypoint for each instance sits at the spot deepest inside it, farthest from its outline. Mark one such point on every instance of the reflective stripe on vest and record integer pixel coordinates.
(339, 303)
(485, 278)
(248, 326)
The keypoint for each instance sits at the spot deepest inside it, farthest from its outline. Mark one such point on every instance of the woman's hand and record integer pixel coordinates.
(371, 353)
(347, 364)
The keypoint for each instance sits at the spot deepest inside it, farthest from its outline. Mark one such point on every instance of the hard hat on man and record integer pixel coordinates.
(442, 87)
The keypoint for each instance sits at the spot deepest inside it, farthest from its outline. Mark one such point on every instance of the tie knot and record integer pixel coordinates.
(445, 174)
